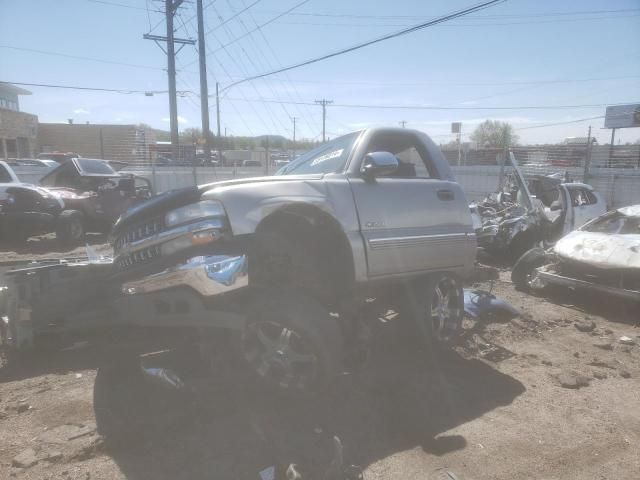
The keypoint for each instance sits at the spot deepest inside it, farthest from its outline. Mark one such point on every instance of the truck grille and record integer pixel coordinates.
(137, 232)
(139, 257)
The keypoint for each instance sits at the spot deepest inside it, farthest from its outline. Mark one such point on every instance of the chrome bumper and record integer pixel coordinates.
(555, 279)
(208, 275)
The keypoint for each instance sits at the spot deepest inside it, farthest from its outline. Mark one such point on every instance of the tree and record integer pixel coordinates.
(494, 133)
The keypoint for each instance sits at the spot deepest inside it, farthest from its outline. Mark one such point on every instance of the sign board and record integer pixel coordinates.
(456, 127)
(622, 116)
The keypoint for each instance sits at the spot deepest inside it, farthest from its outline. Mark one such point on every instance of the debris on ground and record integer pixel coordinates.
(626, 340)
(586, 326)
(569, 379)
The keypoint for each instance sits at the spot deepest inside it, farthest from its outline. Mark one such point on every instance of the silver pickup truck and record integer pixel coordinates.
(285, 263)
(372, 211)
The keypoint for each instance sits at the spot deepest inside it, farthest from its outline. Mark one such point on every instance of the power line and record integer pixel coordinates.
(435, 107)
(445, 18)
(413, 17)
(79, 57)
(561, 123)
(258, 27)
(235, 15)
(463, 24)
(122, 5)
(99, 89)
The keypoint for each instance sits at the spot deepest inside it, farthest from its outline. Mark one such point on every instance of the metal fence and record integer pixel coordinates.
(479, 173)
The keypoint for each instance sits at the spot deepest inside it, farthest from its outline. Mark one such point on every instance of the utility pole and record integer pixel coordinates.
(171, 6)
(218, 122)
(324, 102)
(403, 123)
(293, 155)
(587, 160)
(204, 89)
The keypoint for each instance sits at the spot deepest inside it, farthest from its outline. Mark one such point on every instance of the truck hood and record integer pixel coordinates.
(274, 179)
(184, 196)
(600, 250)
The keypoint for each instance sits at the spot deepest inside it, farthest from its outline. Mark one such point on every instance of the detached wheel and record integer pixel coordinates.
(523, 274)
(291, 343)
(433, 310)
(70, 227)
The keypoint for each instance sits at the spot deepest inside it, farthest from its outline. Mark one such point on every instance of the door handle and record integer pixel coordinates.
(446, 195)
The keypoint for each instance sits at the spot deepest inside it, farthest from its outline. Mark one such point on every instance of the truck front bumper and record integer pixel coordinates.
(208, 275)
(545, 277)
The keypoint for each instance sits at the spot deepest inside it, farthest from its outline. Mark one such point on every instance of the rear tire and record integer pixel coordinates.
(291, 343)
(522, 273)
(433, 310)
(70, 228)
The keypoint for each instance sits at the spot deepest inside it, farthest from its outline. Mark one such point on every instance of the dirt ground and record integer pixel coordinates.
(533, 397)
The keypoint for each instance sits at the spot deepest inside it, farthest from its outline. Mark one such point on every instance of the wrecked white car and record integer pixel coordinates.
(603, 255)
(512, 220)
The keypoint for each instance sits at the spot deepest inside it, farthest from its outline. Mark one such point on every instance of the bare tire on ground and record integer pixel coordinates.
(70, 227)
(523, 273)
(291, 342)
(433, 309)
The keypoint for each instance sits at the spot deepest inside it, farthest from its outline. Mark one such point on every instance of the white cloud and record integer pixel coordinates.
(180, 119)
(81, 111)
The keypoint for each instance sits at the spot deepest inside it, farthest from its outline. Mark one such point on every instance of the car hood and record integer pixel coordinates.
(600, 250)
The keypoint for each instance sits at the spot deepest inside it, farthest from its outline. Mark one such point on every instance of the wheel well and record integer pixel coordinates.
(321, 237)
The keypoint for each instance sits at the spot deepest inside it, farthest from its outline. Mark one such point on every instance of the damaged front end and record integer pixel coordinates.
(603, 256)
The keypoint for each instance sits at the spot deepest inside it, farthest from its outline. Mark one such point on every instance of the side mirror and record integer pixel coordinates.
(378, 164)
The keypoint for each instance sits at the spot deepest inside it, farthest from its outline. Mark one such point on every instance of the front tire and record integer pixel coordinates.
(523, 273)
(291, 342)
(70, 228)
(433, 309)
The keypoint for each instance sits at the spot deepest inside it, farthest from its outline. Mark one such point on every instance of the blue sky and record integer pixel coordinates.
(588, 51)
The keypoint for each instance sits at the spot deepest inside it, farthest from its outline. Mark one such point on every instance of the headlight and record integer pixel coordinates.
(195, 211)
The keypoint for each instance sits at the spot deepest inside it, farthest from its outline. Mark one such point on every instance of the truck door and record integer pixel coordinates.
(411, 220)
(583, 206)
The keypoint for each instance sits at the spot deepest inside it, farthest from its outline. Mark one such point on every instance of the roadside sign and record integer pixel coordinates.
(456, 127)
(622, 116)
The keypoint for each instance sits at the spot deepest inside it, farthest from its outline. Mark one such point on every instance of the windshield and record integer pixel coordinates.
(615, 223)
(90, 166)
(328, 158)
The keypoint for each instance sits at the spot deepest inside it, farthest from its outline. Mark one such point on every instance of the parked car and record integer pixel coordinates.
(78, 196)
(251, 163)
(512, 220)
(26, 209)
(58, 157)
(602, 256)
(31, 162)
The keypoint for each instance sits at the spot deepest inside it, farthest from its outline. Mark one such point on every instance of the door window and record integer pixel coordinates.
(581, 197)
(413, 160)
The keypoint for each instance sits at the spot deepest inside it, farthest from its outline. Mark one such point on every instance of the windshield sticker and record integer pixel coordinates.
(327, 156)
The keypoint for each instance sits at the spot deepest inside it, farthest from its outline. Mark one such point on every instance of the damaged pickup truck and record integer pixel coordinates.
(79, 196)
(286, 263)
(602, 256)
(512, 220)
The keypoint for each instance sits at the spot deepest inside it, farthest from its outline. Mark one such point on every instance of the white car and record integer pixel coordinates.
(603, 255)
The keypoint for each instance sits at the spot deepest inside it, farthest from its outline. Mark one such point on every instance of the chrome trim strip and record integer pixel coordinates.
(413, 240)
(207, 275)
(556, 279)
(166, 235)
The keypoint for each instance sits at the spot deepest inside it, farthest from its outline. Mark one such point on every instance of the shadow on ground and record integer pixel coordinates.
(593, 303)
(403, 400)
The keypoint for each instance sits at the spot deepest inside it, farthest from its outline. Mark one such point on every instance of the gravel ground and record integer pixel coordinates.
(551, 394)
